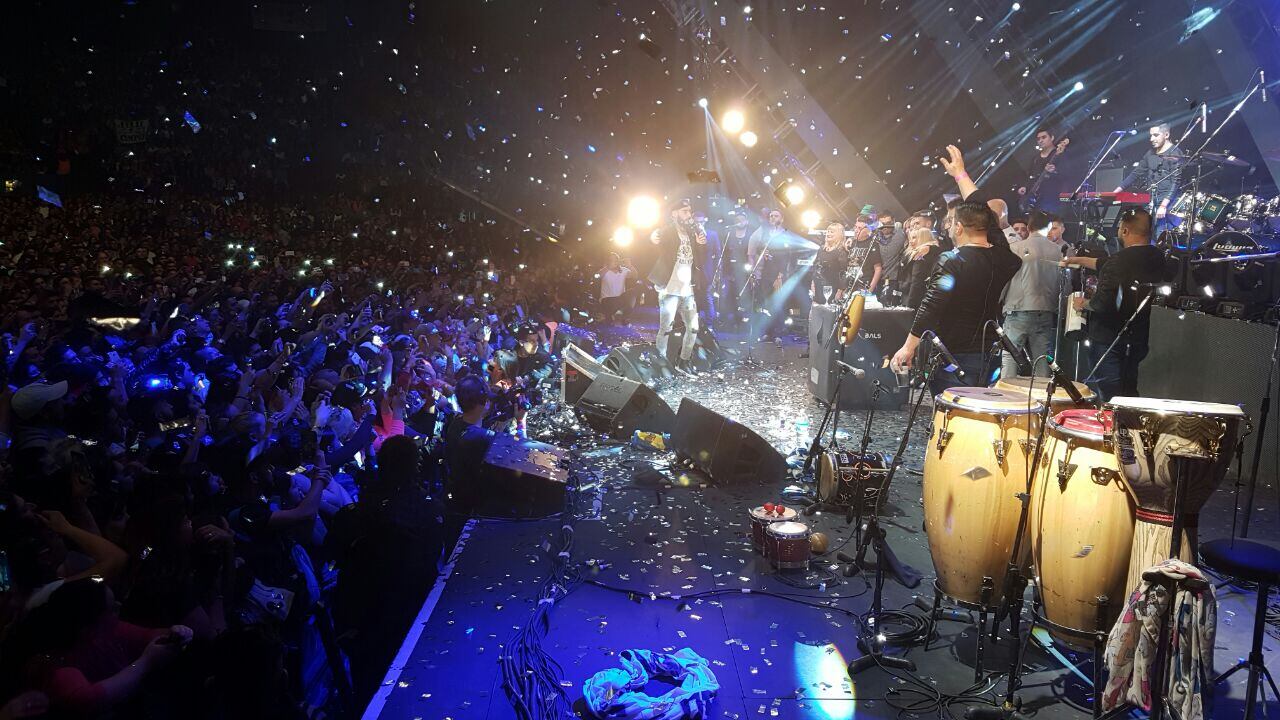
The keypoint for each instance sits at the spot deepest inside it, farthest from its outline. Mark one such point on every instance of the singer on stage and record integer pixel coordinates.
(680, 246)
(963, 293)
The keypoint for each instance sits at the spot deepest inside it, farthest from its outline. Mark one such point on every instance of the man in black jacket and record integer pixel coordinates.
(963, 293)
(675, 275)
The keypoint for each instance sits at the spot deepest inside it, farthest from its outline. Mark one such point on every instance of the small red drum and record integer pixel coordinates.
(786, 544)
(762, 518)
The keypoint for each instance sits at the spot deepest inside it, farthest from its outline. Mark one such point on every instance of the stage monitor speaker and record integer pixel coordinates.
(524, 478)
(727, 451)
(577, 372)
(642, 363)
(618, 406)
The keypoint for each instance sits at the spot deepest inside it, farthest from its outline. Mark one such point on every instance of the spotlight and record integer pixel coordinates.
(702, 103)
(643, 212)
(1165, 290)
(790, 193)
(623, 236)
(746, 10)
(1208, 290)
(1016, 7)
(1078, 86)
(810, 218)
(733, 121)
(748, 138)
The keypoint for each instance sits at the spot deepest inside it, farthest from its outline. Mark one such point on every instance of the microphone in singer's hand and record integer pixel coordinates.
(953, 365)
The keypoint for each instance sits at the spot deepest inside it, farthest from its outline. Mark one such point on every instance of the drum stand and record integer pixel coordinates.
(1015, 582)
(871, 638)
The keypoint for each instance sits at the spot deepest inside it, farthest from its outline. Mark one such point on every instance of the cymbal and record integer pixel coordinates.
(1224, 159)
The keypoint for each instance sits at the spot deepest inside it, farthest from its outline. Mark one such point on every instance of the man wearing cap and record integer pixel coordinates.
(37, 414)
(676, 270)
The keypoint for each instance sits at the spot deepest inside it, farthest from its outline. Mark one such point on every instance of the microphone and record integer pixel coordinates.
(953, 366)
(856, 372)
(1019, 354)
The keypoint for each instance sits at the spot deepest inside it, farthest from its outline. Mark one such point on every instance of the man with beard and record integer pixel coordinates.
(766, 252)
(676, 272)
(1158, 174)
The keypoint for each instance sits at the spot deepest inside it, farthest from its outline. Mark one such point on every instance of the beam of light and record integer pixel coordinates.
(643, 212)
(1197, 21)
(623, 236)
(749, 138)
(733, 122)
(824, 666)
(794, 194)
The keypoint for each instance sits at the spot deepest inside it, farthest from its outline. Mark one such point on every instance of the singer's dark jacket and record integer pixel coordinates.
(663, 257)
(963, 294)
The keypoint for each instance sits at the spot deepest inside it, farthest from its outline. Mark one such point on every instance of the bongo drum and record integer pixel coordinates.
(1150, 437)
(1081, 526)
(847, 478)
(786, 544)
(1036, 387)
(974, 468)
(762, 519)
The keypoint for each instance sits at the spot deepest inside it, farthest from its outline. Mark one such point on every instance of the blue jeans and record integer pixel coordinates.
(1034, 331)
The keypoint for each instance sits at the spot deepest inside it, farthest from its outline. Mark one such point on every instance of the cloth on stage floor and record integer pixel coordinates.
(619, 692)
(1131, 647)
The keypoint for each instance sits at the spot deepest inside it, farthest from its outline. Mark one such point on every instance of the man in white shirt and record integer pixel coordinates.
(1001, 209)
(613, 286)
(675, 271)
(1031, 297)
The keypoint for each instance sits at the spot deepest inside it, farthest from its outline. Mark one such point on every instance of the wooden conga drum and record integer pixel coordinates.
(1081, 526)
(1035, 387)
(1150, 436)
(974, 468)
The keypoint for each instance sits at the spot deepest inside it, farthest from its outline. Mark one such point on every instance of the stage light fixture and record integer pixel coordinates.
(1078, 86)
(643, 212)
(792, 193)
(733, 122)
(702, 103)
(623, 236)
(810, 218)
(748, 138)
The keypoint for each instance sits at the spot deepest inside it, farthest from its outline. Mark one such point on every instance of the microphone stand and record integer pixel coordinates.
(871, 640)
(833, 403)
(1112, 140)
(1263, 412)
(1123, 329)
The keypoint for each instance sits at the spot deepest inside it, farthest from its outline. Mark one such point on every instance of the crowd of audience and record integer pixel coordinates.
(221, 483)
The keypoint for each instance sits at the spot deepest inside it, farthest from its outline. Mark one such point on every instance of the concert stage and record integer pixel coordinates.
(779, 651)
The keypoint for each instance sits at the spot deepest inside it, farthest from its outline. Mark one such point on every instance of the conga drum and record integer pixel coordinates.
(1081, 526)
(1149, 437)
(1035, 387)
(974, 469)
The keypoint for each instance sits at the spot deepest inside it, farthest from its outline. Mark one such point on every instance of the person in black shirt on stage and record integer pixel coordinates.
(1047, 164)
(865, 262)
(1124, 280)
(830, 265)
(963, 293)
(1159, 173)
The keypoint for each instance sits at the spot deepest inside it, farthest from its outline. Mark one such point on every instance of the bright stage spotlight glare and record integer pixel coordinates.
(794, 194)
(623, 236)
(702, 103)
(643, 212)
(733, 121)
(1078, 86)
(748, 138)
(810, 218)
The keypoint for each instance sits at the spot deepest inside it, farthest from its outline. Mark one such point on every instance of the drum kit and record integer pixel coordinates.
(1108, 492)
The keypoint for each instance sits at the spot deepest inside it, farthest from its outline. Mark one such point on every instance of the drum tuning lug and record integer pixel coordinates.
(944, 437)
(1028, 446)
(1066, 470)
(1104, 476)
(1000, 446)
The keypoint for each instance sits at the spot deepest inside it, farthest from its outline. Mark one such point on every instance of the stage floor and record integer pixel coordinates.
(773, 657)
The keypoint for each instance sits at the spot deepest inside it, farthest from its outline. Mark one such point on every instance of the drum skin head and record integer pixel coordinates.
(988, 400)
(1083, 422)
(1177, 407)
